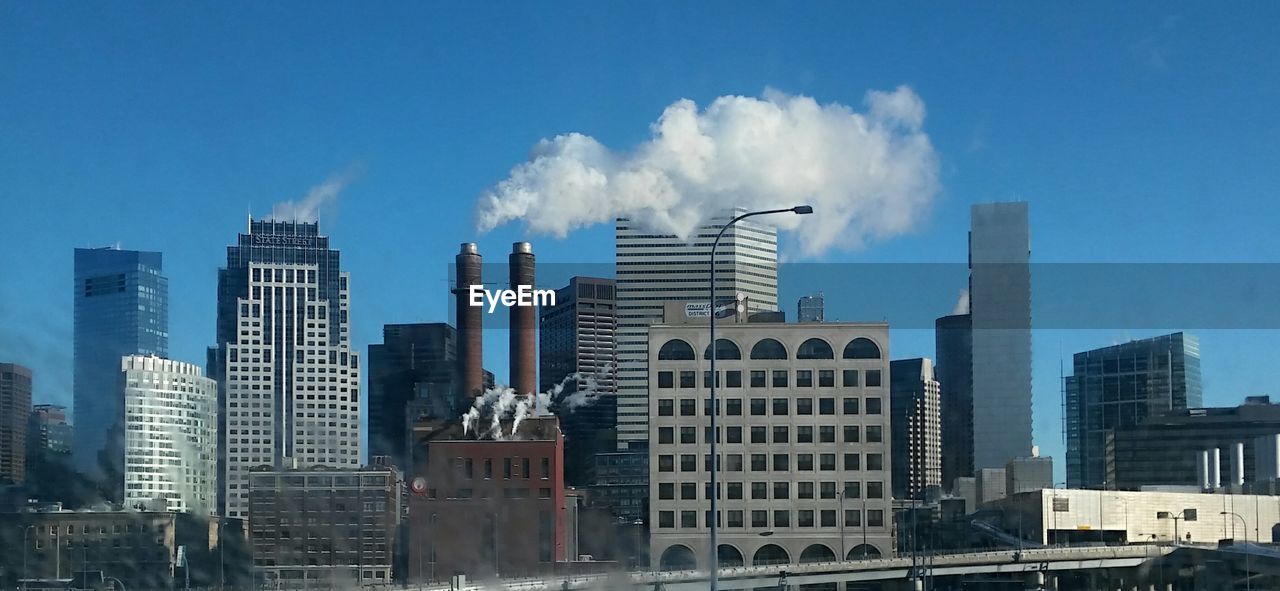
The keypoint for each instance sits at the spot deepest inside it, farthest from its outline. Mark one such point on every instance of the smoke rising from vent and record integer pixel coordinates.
(322, 195)
(962, 303)
(869, 175)
(501, 402)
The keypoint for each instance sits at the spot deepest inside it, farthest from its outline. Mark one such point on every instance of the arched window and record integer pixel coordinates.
(725, 349)
(863, 552)
(817, 553)
(768, 349)
(861, 348)
(675, 350)
(729, 556)
(815, 349)
(770, 554)
(677, 557)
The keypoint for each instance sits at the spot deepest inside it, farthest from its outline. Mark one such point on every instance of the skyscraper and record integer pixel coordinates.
(15, 406)
(915, 428)
(288, 380)
(1000, 305)
(577, 336)
(654, 269)
(121, 304)
(1119, 387)
(171, 444)
(49, 434)
(954, 348)
(413, 370)
(809, 308)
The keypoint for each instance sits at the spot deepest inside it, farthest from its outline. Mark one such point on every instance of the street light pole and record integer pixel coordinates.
(715, 461)
(1248, 584)
(843, 552)
(25, 576)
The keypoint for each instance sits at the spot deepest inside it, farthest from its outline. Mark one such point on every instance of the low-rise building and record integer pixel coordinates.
(324, 526)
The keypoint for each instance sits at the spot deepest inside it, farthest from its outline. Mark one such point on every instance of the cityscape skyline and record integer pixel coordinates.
(1150, 62)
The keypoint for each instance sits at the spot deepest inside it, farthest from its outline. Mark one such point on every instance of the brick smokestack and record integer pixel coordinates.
(470, 322)
(524, 336)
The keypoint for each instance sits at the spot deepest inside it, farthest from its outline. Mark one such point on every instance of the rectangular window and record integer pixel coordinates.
(688, 463)
(827, 490)
(666, 519)
(827, 462)
(779, 378)
(706, 434)
(804, 378)
(734, 518)
(733, 435)
(688, 519)
(804, 434)
(827, 434)
(873, 381)
(733, 407)
(733, 378)
(849, 378)
(759, 491)
(875, 490)
(734, 462)
(804, 518)
(875, 462)
(666, 463)
(688, 435)
(666, 435)
(874, 433)
(666, 491)
(688, 408)
(804, 406)
(688, 491)
(781, 463)
(873, 406)
(758, 406)
(780, 406)
(666, 407)
(851, 406)
(828, 518)
(666, 379)
(734, 490)
(759, 463)
(781, 518)
(852, 462)
(852, 518)
(757, 378)
(804, 462)
(759, 518)
(687, 379)
(852, 490)
(524, 468)
(780, 434)
(706, 407)
(851, 434)
(826, 378)
(506, 468)
(781, 490)
(875, 518)
(759, 434)
(804, 490)
(826, 406)
(488, 468)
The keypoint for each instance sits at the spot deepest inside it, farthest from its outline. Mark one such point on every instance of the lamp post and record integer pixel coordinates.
(843, 552)
(715, 461)
(25, 530)
(1248, 585)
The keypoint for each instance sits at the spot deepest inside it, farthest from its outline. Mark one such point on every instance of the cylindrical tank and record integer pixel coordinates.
(470, 321)
(1237, 463)
(1202, 469)
(1215, 468)
(524, 322)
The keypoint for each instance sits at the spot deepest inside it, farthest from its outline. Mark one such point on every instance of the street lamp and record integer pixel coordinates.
(25, 530)
(843, 555)
(1248, 585)
(1180, 515)
(715, 461)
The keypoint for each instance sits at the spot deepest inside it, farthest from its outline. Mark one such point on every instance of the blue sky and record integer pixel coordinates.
(1145, 134)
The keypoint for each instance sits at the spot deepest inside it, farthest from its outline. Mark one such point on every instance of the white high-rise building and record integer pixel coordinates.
(290, 380)
(653, 269)
(170, 434)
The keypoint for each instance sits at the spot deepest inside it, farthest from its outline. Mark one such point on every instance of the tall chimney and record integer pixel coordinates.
(1237, 463)
(1215, 468)
(1202, 469)
(524, 335)
(470, 322)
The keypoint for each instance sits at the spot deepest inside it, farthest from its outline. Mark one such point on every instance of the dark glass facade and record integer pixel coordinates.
(954, 346)
(1119, 387)
(121, 304)
(412, 373)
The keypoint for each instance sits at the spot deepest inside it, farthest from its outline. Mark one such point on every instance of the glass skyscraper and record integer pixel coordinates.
(1119, 387)
(288, 381)
(121, 305)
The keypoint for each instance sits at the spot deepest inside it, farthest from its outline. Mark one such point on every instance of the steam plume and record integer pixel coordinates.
(868, 175)
(308, 208)
(962, 303)
(500, 402)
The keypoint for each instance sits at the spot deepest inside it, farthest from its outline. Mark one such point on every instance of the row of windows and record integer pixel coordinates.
(781, 490)
(781, 518)
(778, 406)
(768, 348)
(780, 434)
(465, 467)
(507, 493)
(778, 378)
(781, 462)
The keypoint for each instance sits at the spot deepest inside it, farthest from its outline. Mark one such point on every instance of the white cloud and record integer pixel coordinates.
(869, 175)
(320, 196)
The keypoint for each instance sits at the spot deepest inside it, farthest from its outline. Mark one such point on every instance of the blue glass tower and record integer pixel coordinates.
(121, 304)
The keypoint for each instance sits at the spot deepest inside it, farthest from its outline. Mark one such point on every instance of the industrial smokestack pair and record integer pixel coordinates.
(523, 325)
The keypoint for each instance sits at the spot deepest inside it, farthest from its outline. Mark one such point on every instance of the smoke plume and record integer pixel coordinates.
(501, 402)
(869, 175)
(962, 303)
(324, 194)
